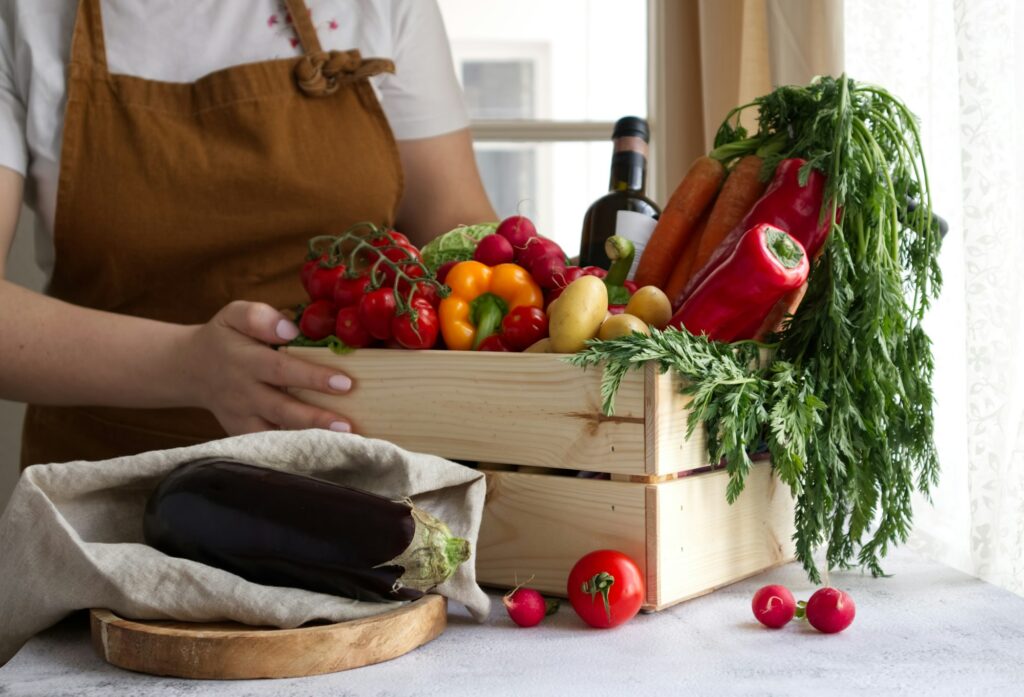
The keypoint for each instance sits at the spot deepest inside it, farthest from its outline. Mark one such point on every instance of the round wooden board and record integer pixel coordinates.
(230, 651)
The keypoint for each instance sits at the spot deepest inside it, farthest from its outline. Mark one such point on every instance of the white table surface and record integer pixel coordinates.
(927, 630)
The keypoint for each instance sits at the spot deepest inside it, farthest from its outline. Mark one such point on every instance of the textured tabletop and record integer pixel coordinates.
(927, 630)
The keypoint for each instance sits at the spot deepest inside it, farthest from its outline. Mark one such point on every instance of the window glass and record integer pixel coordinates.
(553, 183)
(589, 57)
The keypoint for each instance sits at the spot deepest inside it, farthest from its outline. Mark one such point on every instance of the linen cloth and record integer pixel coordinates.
(71, 535)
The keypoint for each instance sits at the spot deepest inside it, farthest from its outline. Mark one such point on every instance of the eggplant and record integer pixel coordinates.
(282, 529)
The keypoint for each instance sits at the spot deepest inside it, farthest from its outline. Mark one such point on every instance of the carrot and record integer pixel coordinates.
(741, 190)
(683, 269)
(776, 317)
(678, 220)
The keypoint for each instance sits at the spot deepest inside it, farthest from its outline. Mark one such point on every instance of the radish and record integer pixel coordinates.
(517, 229)
(443, 269)
(549, 272)
(525, 606)
(536, 249)
(830, 610)
(493, 250)
(773, 606)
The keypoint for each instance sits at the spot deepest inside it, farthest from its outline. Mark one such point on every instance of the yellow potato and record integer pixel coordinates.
(622, 325)
(542, 346)
(578, 314)
(651, 305)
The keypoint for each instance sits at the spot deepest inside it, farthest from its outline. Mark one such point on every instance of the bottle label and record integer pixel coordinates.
(637, 228)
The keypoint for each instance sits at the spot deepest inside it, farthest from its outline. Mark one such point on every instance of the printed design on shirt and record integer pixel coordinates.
(281, 24)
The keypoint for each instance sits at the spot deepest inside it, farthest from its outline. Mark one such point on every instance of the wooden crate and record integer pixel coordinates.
(662, 504)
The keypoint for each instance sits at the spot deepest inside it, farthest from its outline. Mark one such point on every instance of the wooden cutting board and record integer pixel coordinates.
(226, 651)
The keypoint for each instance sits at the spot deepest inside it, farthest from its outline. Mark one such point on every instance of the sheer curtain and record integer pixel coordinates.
(960, 67)
(959, 64)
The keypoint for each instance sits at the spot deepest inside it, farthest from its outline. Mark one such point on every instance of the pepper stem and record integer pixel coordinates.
(783, 247)
(486, 312)
(600, 583)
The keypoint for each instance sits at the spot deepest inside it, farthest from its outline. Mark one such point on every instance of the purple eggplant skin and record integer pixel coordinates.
(282, 529)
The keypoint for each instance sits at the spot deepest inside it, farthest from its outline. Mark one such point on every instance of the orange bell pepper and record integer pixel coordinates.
(481, 296)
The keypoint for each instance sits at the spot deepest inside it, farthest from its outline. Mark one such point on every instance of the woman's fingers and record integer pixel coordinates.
(289, 413)
(259, 321)
(283, 370)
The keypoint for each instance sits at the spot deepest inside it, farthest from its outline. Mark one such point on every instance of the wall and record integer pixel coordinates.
(21, 269)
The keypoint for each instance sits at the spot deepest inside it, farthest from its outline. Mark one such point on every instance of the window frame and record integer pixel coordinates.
(664, 108)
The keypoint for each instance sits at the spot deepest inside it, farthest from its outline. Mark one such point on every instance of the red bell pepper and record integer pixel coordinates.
(786, 205)
(765, 265)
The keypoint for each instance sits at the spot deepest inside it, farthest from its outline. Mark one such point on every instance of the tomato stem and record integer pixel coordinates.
(600, 583)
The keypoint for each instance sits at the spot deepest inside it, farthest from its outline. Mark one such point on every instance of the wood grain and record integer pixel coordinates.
(702, 543)
(539, 525)
(234, 651)
(520, 409)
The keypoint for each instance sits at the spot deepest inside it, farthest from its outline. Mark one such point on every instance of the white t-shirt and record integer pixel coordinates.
(176, 41)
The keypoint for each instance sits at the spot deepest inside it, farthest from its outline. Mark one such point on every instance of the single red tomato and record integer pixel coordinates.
(419, 332)
(350, 329)
(322, 281)
(349, 291)
(524, 326)
(318, 319)
(307, 270)
(606, 588)
(428, 291)
(376, 310)
(493, 343)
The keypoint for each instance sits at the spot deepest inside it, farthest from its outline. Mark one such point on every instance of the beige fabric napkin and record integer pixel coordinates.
(71, 536)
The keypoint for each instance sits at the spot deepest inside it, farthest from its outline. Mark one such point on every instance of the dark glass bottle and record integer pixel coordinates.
(624, 210)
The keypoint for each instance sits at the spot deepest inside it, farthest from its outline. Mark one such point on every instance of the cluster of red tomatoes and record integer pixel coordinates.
(370, 288)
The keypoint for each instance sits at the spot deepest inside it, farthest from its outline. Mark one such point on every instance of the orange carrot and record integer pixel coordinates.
(678, 220)
(741, 190)
(777, 316)
(683, 269)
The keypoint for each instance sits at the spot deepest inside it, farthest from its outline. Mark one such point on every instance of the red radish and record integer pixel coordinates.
(517, 229)
(830, 610)
(443, 269)
(549, 272)
(525, 606)
(493, 250)
(536, 249)
(773, 606)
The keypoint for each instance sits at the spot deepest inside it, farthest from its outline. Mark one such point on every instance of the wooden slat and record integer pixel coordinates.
(702, 543)
(670, 451)
(523, 409)
(539, 525)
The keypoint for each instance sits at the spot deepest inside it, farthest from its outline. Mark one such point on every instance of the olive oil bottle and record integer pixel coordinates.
(625, 210)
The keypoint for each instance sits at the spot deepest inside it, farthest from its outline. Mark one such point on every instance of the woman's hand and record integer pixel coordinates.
(235, 374)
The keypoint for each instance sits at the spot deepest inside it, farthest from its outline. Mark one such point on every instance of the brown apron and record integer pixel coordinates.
(175, 199)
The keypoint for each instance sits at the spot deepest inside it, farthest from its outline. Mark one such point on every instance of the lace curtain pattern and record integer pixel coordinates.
(960, 66)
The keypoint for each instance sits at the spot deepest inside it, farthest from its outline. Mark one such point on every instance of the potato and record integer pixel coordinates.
(578, 314)
(622, 325)
(542, 346)
(651, 305)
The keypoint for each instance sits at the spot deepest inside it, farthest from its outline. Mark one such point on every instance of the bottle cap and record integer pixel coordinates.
(631, 126)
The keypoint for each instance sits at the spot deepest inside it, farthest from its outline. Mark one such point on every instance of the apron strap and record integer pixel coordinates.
(320, 73)
(88, 47)
(302, 20)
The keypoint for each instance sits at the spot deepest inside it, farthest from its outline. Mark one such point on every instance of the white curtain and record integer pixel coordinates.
(959, 64)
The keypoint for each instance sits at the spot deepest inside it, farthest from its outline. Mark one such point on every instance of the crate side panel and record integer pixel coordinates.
(522, 409)
(704, 543)
(673, 451)
(540, 525)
